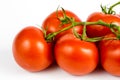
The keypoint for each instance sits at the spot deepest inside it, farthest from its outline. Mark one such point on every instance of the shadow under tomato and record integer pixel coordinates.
(52, 68)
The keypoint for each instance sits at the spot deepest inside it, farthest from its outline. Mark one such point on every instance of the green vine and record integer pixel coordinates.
(109, 10)
(112, 27)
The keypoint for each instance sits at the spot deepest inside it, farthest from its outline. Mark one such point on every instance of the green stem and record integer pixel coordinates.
(51, 35)
(100, 22)
(104, 9)
(84, 35)
(110, 11)
(85, 38)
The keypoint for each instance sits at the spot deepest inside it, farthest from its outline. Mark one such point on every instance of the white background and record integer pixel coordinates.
(17, 14)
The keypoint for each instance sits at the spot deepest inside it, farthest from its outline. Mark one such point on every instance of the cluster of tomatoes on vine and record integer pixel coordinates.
(76, 46)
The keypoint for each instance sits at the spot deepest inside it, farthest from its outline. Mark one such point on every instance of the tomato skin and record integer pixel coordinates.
(118, 15)
(75, 56)
(31, 51)
(110, 56)
(100, 30)
(53, 24)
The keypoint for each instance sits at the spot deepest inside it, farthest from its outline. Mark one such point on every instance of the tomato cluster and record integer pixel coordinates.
(64, 38)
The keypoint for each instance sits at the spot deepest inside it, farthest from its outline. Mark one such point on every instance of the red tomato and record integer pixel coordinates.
(31, 51)
(52, 23)
(75, 56)
(110, 56)
(98, 30)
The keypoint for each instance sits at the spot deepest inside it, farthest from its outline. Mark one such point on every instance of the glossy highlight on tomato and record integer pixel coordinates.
(31, 51)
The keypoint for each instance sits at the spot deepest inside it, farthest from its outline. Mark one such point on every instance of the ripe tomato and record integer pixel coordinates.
(52, 23)
(75, 56)
(110, 55)
(30, 49)
(98, 30)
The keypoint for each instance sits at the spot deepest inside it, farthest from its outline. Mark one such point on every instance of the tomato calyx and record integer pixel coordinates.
(109, 10)
(65, 19)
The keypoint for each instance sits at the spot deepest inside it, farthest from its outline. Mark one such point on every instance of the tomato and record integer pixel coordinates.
(52, 23)
(31, 51)
(75, 56)
(118, 15)
(110, 55)
(99, 30)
